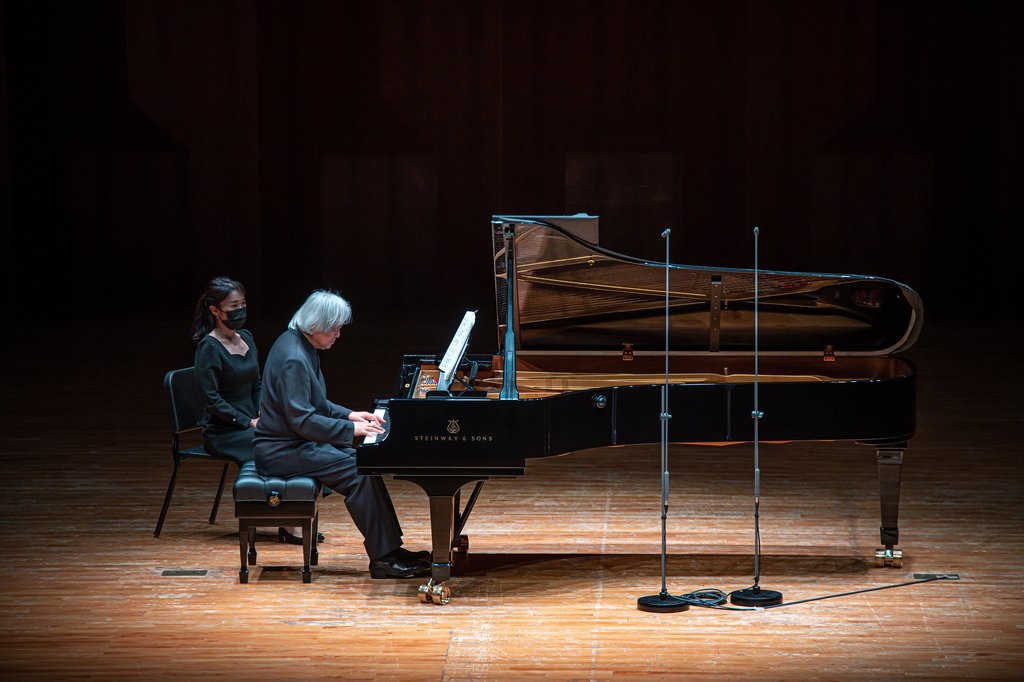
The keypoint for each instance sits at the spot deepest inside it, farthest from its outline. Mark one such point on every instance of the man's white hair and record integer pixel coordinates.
(322, 311)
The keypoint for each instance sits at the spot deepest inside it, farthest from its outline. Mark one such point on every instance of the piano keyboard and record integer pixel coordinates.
(380, 412)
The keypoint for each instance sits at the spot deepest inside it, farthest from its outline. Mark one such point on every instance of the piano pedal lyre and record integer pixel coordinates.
(460, 552)
(437, 593)
(887, 557)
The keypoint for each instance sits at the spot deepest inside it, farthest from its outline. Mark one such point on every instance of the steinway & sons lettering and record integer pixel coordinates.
(455, 435)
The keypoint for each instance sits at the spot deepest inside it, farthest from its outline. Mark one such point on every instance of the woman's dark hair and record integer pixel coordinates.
(217, 290)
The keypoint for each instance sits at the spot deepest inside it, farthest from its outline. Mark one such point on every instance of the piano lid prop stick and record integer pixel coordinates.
(663, 602)
(509, 391)
(755, 595)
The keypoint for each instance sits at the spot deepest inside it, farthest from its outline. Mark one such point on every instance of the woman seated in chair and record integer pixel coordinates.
(228, 370)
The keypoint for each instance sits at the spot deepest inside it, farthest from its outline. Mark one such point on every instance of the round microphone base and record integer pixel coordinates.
(755, 596)
(661, 603)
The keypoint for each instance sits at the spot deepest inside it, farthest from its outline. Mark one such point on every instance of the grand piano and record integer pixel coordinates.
(581, 364)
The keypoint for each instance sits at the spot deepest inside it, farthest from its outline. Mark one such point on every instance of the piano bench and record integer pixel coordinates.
(275, 501)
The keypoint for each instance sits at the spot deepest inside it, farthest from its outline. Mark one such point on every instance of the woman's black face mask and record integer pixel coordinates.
(236, 319)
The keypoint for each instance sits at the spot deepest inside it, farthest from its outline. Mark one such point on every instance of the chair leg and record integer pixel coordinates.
(252, 545)
(167, 498)
(243, 542)
(220, 493)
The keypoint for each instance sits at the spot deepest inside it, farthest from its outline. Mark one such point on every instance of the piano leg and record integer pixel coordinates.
(442, 528)
(443, 492)
(890, 464)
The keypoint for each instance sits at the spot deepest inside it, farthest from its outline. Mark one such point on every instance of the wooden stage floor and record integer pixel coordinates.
(558, 558)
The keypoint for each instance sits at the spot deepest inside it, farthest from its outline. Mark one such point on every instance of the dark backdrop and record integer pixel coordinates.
(362, 146)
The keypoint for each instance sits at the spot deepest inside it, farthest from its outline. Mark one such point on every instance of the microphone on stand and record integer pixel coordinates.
(663, 602)
(756, 595)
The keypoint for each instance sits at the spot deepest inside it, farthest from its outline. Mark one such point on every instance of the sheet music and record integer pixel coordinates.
(452, 356)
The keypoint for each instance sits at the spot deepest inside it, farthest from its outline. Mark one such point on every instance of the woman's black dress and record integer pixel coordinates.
(231, 384)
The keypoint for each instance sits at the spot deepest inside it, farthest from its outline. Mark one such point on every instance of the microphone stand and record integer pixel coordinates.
(754, 595)
(663, 602)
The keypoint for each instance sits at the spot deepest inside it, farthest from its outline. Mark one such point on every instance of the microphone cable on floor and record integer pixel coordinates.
(713, 598)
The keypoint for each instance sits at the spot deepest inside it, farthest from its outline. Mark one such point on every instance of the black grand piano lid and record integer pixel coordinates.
(574, 295)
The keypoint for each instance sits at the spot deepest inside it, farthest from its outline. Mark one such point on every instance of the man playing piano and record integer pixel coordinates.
(301, 432)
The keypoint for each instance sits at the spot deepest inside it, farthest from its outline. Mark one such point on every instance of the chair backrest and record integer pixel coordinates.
(186, 400)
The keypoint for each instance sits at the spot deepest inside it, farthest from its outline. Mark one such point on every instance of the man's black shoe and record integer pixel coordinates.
(403, 553)
(392, 566)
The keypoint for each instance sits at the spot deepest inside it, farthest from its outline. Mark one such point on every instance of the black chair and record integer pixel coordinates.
(188, 406)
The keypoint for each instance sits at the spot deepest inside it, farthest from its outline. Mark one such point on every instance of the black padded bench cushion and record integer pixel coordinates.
(251, 487)
(274, 497)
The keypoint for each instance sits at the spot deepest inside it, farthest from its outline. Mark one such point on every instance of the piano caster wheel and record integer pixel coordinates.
(889, 558)
(438, 594)
(461, 544)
